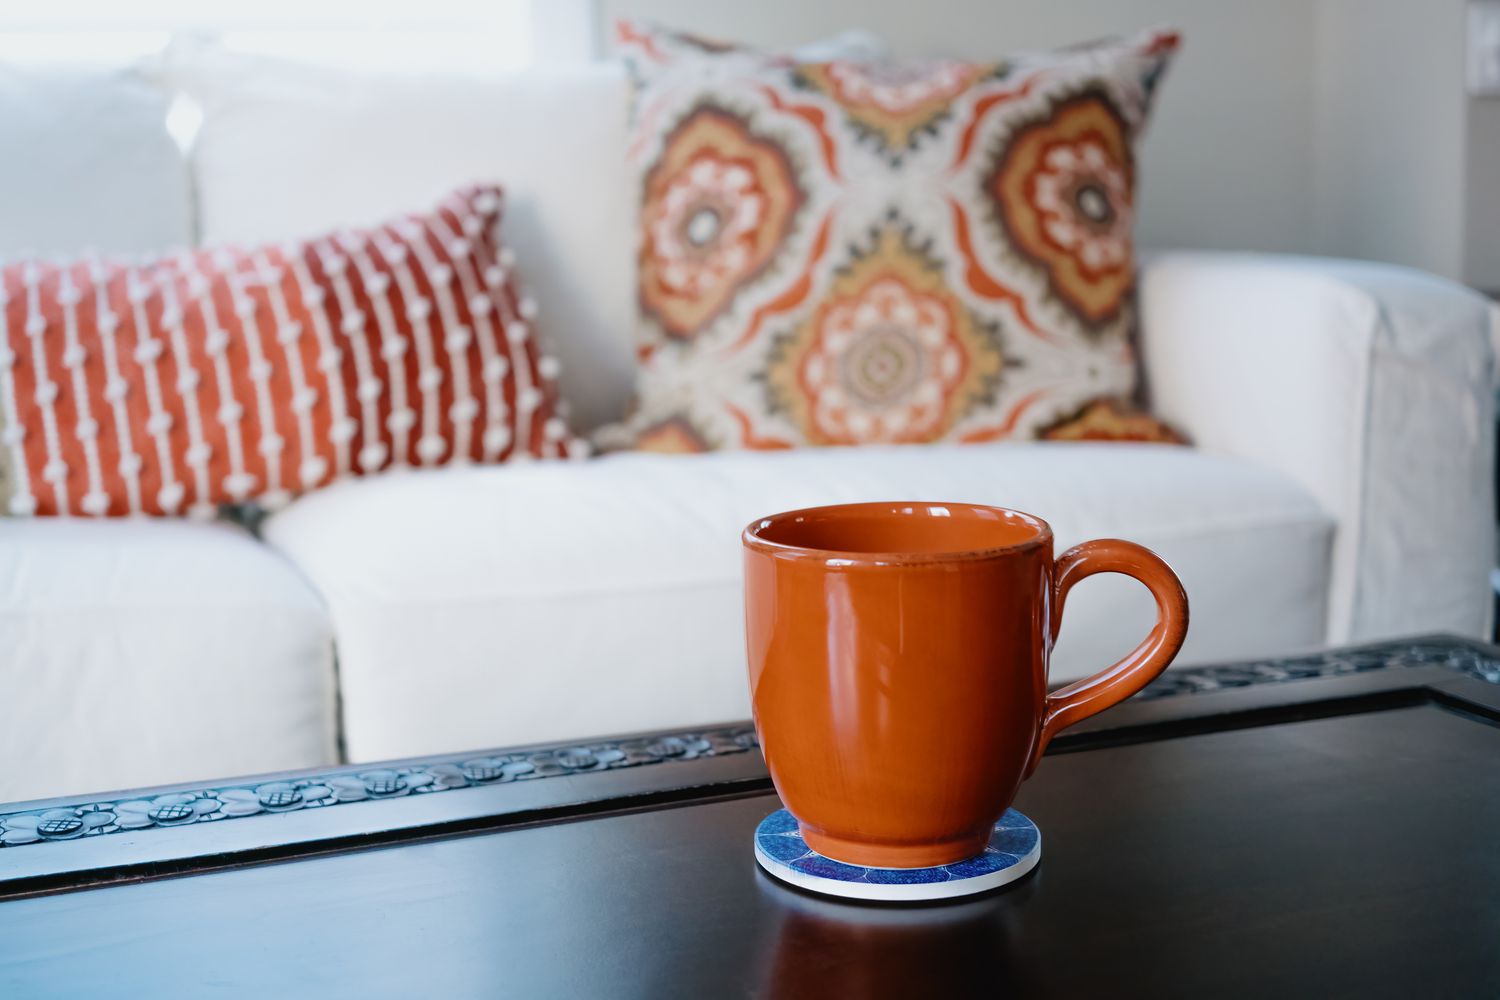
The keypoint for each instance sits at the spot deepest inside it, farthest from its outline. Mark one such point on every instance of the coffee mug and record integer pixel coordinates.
(898, 667)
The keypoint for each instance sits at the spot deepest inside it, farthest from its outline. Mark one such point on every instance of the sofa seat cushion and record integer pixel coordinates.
(145, 652)
(485, 606)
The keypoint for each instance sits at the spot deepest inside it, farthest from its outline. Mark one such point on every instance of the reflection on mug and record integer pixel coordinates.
(833, 949)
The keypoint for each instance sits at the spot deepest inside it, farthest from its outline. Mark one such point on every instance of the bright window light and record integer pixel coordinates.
(386, 35)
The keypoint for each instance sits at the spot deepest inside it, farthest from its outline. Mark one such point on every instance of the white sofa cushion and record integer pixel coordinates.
(146, 652)
(488, 606)
(88, 164)
(288, 150)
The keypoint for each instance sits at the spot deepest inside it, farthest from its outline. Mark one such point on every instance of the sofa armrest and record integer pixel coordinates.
(1374, 388)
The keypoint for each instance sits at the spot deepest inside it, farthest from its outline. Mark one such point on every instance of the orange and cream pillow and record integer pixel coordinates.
(251, 375)
(860, 251)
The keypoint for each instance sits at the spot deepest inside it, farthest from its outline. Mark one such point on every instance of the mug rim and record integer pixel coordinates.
(1041, 535)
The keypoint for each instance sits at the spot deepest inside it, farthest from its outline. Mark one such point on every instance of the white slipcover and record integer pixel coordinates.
(141, 652)
(1373, 387)
(1341, 488)
(486, 606)
(1362, 390)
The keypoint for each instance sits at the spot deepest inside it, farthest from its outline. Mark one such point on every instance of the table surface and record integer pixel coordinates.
(1332, 836)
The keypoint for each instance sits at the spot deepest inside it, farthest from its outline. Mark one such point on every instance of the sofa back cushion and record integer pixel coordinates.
(860, 251)
(287, 150)
(88, 164)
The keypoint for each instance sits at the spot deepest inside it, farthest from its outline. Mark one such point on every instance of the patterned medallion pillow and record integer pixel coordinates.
(860, 251)
(234, 375)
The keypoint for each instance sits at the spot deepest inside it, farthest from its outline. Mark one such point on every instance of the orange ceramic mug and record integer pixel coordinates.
(898, 667)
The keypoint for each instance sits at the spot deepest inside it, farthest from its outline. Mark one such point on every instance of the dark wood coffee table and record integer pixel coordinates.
(1332, 836)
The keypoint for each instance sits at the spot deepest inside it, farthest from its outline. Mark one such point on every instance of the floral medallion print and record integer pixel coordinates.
(889, 355)
(858, 250)
(894, 103)
(673, 436)
(1111, 420)
(717, 206)
(1063, 191)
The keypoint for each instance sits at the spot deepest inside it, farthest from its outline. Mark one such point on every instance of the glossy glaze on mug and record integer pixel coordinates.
(898, 663)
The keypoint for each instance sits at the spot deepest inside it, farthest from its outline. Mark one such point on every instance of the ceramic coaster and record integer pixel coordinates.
(1014, 849)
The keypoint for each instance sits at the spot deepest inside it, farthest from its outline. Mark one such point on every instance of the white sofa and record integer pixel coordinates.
(1341, 487)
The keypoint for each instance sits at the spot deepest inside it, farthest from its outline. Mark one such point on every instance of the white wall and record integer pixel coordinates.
(1482, 195)
(1391, 138)
(1311, 126)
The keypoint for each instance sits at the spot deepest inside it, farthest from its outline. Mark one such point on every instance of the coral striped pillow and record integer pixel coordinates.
(232, 375)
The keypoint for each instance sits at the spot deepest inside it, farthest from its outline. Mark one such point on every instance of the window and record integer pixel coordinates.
(389, 35)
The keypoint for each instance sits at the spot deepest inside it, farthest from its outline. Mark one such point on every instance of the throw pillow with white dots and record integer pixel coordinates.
(238, 375)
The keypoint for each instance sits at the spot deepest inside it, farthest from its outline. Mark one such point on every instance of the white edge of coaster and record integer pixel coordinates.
(899, 892)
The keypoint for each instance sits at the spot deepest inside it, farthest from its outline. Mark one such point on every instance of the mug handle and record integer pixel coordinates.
(1144, 664)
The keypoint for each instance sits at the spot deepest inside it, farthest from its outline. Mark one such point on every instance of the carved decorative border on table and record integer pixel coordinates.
(341, 785)
(1455, 654)
(353, 784)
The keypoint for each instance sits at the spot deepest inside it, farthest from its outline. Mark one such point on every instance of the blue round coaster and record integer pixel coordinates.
(1014, 849)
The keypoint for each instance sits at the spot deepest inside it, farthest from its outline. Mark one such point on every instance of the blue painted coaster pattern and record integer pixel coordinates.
(782, 851)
